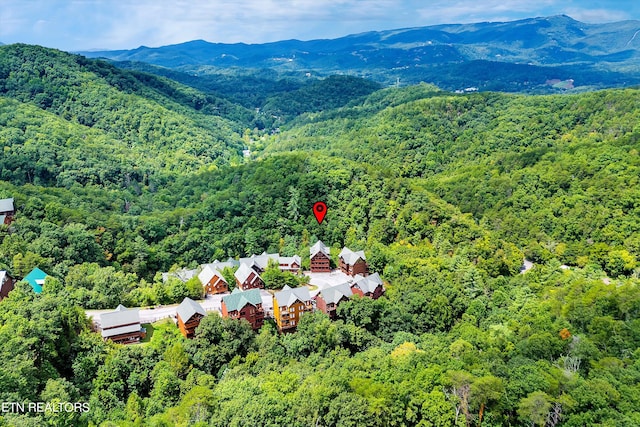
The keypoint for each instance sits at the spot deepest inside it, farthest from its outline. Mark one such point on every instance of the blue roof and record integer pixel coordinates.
(36, 279)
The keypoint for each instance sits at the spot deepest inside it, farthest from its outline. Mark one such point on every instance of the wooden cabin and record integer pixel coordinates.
(259, 263)
(328, 299)
(189, 314)
(291, 264)
(6, 284)
(320, 258)
(7, 211)
(353, 263)
(248, 278)
(212, 279)
(370, 286)
(245, 305)
(122, 326)
(289, 305)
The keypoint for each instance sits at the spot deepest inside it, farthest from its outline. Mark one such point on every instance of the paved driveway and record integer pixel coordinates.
(212, 303)
(324, 280)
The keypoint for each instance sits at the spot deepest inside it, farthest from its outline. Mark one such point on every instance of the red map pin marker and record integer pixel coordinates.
(320, 210)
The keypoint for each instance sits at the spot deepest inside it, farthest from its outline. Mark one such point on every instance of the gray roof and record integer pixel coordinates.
(335, 293)
(6, 205)
(287, 296)
(128, 329)
(121, 316)
(188, 308)
(221, 265)
(319, 247)
(232, 262)
(375, 277)
(211, 270)
(351, 257)
(238, 299)
(367, 284)
(243, 273)
(288, 260)
(261, 261)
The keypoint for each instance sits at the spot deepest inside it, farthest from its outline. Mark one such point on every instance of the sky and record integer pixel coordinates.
(75, 25)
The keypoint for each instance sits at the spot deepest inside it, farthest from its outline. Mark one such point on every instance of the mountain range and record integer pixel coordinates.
(520, 55)
(117, 175)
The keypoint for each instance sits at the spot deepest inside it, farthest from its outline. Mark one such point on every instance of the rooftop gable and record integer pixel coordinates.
(289, 260)
(221, 265)
(209, 271)
(119, 317)
(350, 257)
(239, 299)
(6, 205)
(36, 279)
(243, 273)
(261, 261)
(367, 284)
(288, 296)
(333, 294)
(319, 247)
(188, 308)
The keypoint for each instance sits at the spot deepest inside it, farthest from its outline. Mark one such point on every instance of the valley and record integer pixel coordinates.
(122, 171)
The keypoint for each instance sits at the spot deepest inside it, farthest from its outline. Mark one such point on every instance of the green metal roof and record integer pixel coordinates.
(237, 300)
(36, 279)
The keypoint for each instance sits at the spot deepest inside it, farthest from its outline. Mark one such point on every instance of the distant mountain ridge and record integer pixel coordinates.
(419, 54)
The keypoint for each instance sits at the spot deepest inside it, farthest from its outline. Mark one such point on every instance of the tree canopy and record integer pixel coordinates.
(117, 176)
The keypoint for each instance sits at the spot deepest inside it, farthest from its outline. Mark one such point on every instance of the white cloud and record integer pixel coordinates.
(154, 23)
(125, 24)
(597, 15)
(476, 11)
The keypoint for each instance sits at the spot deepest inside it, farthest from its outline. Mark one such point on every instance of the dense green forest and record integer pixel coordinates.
(118, 175)
(275, 95)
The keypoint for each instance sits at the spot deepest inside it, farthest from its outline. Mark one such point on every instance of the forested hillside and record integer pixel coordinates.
(153, 127)
(120, 175)
(556, 175)
(278, 99)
